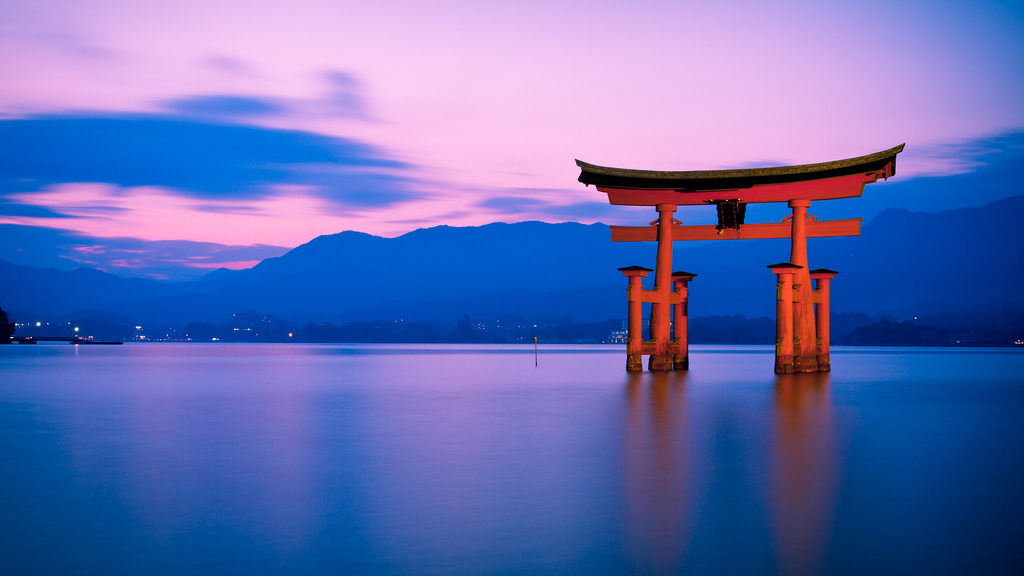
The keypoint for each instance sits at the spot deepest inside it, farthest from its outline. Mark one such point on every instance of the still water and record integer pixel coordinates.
(407, 459)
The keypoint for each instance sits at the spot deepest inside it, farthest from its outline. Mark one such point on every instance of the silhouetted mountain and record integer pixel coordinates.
(56, 293)
(966, 259)
(432, 273)
(909, 263)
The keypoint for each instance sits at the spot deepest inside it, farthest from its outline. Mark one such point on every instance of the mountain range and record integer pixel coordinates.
(904, 263)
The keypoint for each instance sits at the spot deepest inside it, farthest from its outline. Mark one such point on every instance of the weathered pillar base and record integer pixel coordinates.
(680, 321)
(824, 362)
(803, 364)
(660, 363)
(785, 343)
(634, 336)
(823, 277)
(784, 365)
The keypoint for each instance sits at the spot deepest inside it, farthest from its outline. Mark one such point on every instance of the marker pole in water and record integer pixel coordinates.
(534, 350)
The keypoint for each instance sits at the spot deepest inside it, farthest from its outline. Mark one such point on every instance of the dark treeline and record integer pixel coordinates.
(908, 333)
(6, 327)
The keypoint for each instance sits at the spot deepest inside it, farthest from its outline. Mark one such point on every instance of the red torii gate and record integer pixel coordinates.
(802, 337)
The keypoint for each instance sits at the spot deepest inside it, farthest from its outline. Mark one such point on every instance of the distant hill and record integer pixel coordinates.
(907, 263)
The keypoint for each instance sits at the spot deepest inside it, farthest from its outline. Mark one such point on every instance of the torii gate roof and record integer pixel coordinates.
(823, 181)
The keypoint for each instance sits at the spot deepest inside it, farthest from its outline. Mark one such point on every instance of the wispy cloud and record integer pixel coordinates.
(228, 65)
(233, 208)
(340, 96)
(344, 96)
(549, 205)
(80, 46)
(10, 208)
(133, 257)
(224, 107)
(196, 159)
(957, 156)
(513, 204)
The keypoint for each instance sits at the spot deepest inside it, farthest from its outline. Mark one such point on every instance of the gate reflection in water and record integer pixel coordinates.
(672, 486)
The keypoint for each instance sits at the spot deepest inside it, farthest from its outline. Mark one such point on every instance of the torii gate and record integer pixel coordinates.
(802, 338)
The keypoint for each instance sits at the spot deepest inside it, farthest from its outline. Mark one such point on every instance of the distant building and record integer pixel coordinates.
(252, 322)
(970, 338)
(618, 336)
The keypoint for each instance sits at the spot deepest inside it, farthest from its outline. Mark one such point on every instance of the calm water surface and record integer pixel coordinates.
(339, 459)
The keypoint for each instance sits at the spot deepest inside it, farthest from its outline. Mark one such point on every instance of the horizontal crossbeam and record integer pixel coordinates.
(848, 186)
(818, 229)
(654, 296)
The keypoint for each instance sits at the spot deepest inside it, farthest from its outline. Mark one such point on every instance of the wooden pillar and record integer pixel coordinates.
(822, 277)
(805, 357)
(784, 334)
(680, 322)
(661, 319)
(635, 321)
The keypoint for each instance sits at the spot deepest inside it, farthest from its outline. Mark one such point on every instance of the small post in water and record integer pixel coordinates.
(534, 350)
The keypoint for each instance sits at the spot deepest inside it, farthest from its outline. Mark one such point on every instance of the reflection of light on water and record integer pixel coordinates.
(656, 478)
(803, 476)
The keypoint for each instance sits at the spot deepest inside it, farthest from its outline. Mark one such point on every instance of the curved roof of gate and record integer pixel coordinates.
(700, 180)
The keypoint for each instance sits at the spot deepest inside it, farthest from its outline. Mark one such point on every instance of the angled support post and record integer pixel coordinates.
(784, 348)
(635, 322)
(680, 321)
(822, 278)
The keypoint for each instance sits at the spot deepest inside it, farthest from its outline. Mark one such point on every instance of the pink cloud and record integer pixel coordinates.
(237, 265)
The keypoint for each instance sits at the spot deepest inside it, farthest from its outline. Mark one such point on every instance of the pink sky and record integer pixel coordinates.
(496, 99)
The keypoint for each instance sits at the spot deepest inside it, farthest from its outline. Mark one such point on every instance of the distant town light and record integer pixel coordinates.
(138, 327)
(76, 328)
(289, 334)
(39, 323)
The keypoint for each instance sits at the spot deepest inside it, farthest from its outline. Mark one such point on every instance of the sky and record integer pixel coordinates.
(164, 139)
